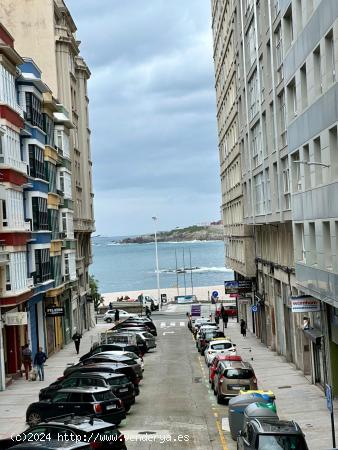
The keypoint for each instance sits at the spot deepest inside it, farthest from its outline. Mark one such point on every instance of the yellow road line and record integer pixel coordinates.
(221, 435)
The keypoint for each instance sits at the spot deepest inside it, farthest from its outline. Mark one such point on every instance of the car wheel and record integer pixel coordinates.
(34, 418)
(109, 320)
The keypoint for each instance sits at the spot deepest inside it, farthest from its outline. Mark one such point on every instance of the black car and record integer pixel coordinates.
(129, 361)
(141, 334)
(263, 434)
(52, 445)
(70, 429)
(120, 347)
(147, 322)
(119, 384)
(100, 402)
(107, 368)
(140, 341)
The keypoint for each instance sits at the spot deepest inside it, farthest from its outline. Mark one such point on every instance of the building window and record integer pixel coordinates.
(300, 243)
(251, 44)
(253, 95)
(312, 244)
(282, 111)
(333, 143)
(259, 194)
(40, 213)
(48, 128)
(286, 183)
(256, 144)
(299, 15)
(56, 269)
(317, 151)
(268, 190)
(36, 162)
(276, 185)
(8, 278)
(296, 179)
(330, 58)
(42, 265)
(306, 158)
(317, 70)
(34, 110)
(51, 176)
(53, 222)
(303, 86)
(288, 28)
(279, 54)
(4, 213)
(292, 100)
(327, 250)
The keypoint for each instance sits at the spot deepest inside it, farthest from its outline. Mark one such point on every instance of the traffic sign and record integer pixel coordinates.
(215, 294)
(195, 310)
(254, 308)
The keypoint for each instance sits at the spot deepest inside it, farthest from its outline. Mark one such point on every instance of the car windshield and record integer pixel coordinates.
(118, 381)
(282, 442)
(221, 346)
(235, 374)
(102, 396)
(210, 334)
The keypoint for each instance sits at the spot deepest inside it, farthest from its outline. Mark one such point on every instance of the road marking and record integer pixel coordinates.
(182, 324)
(172, 324)
(225, 424)
(168, 332)
(221, 435)
(162, 324)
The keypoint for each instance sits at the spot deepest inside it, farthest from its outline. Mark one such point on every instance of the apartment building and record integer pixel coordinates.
(45, 31)
(277, 76)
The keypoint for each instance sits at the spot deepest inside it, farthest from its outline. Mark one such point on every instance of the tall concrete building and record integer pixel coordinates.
(45, 31)
(277, 134)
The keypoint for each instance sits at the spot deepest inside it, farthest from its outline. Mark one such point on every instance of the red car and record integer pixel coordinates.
(231, 310)
(214, 363)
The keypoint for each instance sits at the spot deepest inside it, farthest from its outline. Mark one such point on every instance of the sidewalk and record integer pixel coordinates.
(296, 398)
(16, 398)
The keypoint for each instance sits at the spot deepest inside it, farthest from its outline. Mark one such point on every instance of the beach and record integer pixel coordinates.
(201, 292)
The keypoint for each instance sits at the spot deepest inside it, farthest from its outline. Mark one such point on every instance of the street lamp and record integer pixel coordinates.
(155, 219)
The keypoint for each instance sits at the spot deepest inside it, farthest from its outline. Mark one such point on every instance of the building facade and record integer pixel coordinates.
(272, 83)
(56, 51)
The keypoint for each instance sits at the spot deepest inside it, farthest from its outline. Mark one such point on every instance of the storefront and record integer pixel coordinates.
(54, 313)
(15, 336)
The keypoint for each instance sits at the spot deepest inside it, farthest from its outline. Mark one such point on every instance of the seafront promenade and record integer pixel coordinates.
(201, 292)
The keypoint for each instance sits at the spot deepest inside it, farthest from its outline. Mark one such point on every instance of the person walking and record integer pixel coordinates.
(225, 319)
(217, 315)
(27, 359)
(39, 361)
(117, 315)
(243, 327)
(148, 311)
(110, 305)
(77, 338)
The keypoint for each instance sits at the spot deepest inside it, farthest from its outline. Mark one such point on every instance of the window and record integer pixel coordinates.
(296, 179)
(306, 158)
(300, 243)
(288, 28)
(259, 194)
(292, 100)
(48, 128)
(36, 162)
(8, 279)
(276, 184)
(312, 259)
(4, 213)
(60, 397)
(40, 213)
(42, 265)
(330, 58)
(66, 264)
(53, 222)
(279, 53)
(256, 144)
(327, 250)
(317, 151)
(7, 88)
(333, 143)
(72, 382)
(299, 15)
(56, 269)
(268, 190)
(34, 110)
(318, 86)
(282, 112)
(51, 176)
(303, 86)
(286, 183)
(253, 96)
(264, 133)
(251, 44)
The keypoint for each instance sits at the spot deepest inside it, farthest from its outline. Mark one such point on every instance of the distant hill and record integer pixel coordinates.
(211, 232)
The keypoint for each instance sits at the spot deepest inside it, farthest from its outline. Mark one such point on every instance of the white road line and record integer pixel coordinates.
(182, 324)
(162, 324)
(225, 424)
(172, 324)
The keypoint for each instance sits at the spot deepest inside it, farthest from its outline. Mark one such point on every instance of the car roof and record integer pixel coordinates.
(105, 375)
(98, 365)
(235, 364)
(277, 426)
(220, 341)
(83, 423)
(87, 389)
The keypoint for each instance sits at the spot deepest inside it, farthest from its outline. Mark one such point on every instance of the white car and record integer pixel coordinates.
(219, 346)
(207, 327)
(110, 315)
(131, 355)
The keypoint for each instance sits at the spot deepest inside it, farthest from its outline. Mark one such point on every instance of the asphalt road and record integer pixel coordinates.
(175, 409)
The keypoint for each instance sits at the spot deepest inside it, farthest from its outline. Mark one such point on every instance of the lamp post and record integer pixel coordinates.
(155, 219)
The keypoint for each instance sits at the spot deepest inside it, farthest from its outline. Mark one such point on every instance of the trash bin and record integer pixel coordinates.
(260, 410)
(238, 404)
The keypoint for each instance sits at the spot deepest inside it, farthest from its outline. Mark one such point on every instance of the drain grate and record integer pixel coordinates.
(284, 387)
(197, 379)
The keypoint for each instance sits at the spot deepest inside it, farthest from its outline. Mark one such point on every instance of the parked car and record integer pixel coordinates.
(205, 337)
(232, 377)
(141, 326)
(99, 348)
(66, 429)
(219, 346)
(128, 334)
(52, 445)
(271, 434)
(106, 367)
(111, 357)
(100, 402)
(109, 316)
(143, 321)
(119, 384)
(214, 363)
(231, 310)
(130, 355)
(146, 337)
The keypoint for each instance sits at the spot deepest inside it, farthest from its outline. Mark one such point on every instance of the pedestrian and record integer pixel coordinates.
(77, 338)
(117, 315)
(225, 319)
(110, 305)
(27, 359)
(148, 311)
(189, 321)
(217, 314)
(222, 311)
(243, 327)
(39, 361)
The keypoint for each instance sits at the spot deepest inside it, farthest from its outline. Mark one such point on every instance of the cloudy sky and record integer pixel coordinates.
(152, 112)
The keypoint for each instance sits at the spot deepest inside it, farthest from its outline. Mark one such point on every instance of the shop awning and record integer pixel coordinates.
(314, 335)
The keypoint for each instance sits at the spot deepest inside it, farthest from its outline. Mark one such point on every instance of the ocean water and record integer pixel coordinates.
(132, 267)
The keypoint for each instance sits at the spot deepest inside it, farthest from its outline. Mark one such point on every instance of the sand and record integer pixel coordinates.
(202, 293)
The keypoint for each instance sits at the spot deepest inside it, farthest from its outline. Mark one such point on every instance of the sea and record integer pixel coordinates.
(131, 267)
